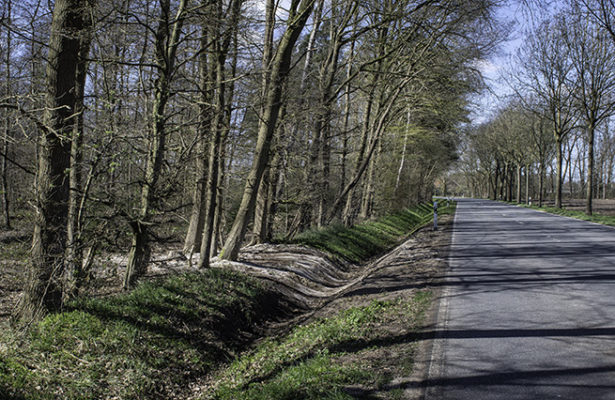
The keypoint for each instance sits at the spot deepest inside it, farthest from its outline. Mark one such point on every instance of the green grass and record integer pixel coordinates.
(366, 240)
(145, 344)
(597, 218)
(308, 363)
(155, 340)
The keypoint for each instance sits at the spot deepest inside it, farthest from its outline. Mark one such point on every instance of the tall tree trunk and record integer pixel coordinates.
(505, 176)
(347, 214)
(495, 181)
(509, 192)
(43, 287)
(590, 168)
(221, 44)
(519, 183)
(220, 192)
(325, 161)
(4, 166)
(367, 203)
(74, 253)
(541, 184)
(403, 156)
(558, 182)
(527, 184)
(167, 40)
(197, 216)
(346, 125)
(376, 130)
(569, 168)
(213, 167)
(306, 210)
(280, 67)
(261, 212)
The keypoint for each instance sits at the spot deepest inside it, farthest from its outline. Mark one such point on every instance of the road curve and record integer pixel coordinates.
(527, 308)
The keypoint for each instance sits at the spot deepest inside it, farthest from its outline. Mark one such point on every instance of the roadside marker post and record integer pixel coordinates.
(435, 215)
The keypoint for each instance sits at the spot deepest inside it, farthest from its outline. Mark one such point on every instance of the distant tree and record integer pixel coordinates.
(547, 75)
(592, 57)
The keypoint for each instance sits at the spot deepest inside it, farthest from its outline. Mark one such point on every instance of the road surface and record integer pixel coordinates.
(527, 308)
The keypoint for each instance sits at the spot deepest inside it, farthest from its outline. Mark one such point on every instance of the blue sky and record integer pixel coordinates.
(493, 67)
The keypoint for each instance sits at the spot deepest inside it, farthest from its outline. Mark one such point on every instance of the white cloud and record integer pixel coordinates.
(488, 68)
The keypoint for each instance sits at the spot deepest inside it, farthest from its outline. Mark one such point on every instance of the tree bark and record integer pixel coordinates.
(347, 192)
(43, 287)
(195, 228)
(74, 254)
(519, 183)
(558, 181)
(4, 167)
(222, 45)
(261, 214)
(527, 184)
(541, 184)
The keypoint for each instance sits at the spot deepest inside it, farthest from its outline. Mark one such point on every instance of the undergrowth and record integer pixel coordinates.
(368, 239)
(144, 344)
(155, 340)
(308, 363)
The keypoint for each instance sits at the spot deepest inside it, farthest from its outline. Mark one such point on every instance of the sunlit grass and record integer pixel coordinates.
(366, 240)
(595, 217)
(153, 341)
(305, 364)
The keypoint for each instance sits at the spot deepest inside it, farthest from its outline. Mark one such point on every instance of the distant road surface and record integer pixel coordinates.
(527, 308)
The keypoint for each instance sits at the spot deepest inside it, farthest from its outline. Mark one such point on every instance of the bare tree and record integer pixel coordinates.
(299, 12)
(167, 39)
(592, 58)
(221, 47)
(547, 75)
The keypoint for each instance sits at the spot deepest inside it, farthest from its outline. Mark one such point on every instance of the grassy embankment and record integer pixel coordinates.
(155, 340)
(596, 217)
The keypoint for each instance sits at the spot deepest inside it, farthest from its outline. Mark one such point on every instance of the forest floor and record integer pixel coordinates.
(397, 288)
(392, 354)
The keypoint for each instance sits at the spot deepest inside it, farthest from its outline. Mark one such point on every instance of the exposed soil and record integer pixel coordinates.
(401, 355)
(320, 287)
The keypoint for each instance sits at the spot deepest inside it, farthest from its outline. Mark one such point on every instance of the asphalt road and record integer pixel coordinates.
(527, 308)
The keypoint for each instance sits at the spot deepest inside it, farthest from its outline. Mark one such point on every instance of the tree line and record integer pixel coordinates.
(555, 134)
(217, 123)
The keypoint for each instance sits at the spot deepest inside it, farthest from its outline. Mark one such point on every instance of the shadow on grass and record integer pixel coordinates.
(150, 342)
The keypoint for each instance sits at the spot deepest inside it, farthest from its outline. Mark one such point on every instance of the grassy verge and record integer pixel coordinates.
(156, 340)
(323, 359)
(597, 218)
(366, 240)
(145, 344)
